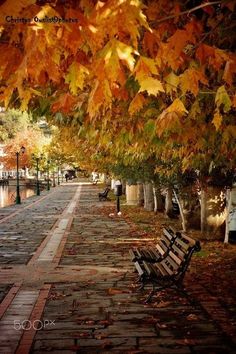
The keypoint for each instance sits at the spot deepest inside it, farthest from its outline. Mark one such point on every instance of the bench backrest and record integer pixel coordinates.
(105, 192)
(167, 239)
(176, 262)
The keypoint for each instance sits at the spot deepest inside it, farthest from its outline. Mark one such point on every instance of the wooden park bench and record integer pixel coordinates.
(104, 195)
(158, 251)
(169, 272)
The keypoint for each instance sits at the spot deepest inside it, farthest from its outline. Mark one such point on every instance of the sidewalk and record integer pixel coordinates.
(65, 268)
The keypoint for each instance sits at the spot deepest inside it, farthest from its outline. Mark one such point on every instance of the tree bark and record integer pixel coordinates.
(148, 197)
(228, 207)
(132, 194)
(123, 182)
(189, 207)
(181, 210)
(140, 194)
(158, 203)
(212, 212)
(168, 202)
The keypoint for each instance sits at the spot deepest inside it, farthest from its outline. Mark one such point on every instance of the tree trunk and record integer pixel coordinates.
(113, 183)
(181, 210)
(123, 182)
(132, 194)
(158, 203)
(148, 197)
(228, 207)
(212, 212)
(140, 194)
(189, 206)
(168, 202)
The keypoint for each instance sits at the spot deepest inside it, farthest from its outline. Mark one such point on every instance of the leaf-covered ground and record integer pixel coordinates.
(213, 268)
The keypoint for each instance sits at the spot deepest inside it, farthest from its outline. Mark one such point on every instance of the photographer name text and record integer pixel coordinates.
(36, 19)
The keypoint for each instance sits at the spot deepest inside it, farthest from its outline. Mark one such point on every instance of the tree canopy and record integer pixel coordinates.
(127, 78)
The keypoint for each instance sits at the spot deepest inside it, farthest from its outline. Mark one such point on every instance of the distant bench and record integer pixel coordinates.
(170, 268)
(104, 195)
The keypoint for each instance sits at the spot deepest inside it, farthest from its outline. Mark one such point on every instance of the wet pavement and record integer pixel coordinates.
(76, 286)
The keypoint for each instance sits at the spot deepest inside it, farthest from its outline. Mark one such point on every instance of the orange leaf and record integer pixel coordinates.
(113, 291)
(136, 104)
(217, 120)
(189, 80)
(64, 104)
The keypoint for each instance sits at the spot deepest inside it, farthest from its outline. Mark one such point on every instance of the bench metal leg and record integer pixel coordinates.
(137, 280)
(149, 297)
(154, 291)
(141, 287)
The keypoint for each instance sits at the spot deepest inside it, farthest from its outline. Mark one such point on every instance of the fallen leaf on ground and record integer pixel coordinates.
(192, 317)
(186, 341)
(112, 291)
(162, 304)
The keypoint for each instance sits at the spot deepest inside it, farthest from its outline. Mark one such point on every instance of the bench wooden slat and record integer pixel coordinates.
(179, 252)
(139, 269)
(162, 250)
(183, 245)
(169, 234)
(157, 252)
(161, 267)
(165, 240)
(189, 240)
(175, 258)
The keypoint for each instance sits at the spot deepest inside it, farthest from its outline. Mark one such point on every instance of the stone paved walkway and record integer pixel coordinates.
(82, 298)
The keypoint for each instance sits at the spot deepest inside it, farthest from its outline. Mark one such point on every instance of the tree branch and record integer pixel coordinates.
(190, 10)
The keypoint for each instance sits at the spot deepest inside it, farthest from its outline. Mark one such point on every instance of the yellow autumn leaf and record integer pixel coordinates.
(76, 76)
(136, 104)
(151, 85)
(100, 98)
(25, 96)
(169, 119)
(145, 67)
(125, 53)
(177, 106)
(172, 82)
(189, 80)
(222, 98)
(217, 119)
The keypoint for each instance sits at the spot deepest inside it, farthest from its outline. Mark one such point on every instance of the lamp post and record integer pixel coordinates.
(48, 183)
(58, 177)
(118, 193)
(53, 179)
(18, 199)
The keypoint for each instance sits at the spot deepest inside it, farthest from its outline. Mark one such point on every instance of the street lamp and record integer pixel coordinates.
(58, 177)
(48, 183)
(53, 178)
(18, 199)
(118, 193)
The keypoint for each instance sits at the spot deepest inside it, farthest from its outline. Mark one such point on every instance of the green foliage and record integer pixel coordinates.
(12, 122)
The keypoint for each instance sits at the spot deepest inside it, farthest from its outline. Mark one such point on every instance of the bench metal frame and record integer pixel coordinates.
(103, 195)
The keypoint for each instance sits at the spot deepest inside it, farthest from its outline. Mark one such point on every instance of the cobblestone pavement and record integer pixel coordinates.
(21, 234)
(84, 300)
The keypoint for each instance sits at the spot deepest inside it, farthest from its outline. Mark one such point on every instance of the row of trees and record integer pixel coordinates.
(133, 83)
